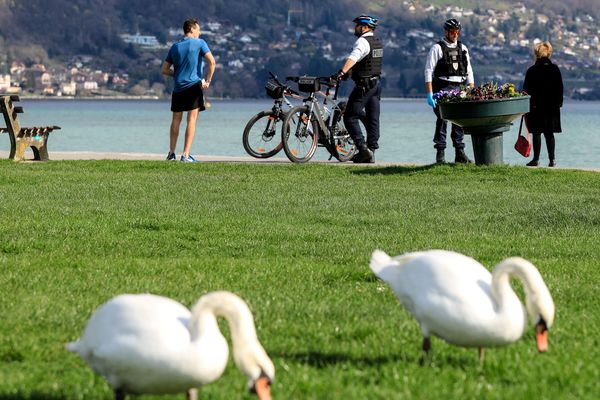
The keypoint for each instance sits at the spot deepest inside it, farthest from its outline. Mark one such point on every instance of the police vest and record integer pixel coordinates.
(370, 65)
(453, 62)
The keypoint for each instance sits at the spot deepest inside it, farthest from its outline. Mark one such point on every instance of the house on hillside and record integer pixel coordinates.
(68, 88)
(146, 41)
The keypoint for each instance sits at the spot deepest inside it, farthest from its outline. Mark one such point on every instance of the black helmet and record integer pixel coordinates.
(452, 25)
(367, 20)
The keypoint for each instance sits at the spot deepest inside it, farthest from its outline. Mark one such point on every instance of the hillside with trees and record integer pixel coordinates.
(287, 37)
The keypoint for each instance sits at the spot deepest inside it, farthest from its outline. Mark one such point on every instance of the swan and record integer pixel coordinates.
(454, 297)
(148, 344)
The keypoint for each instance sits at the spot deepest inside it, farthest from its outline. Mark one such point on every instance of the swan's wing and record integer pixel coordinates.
(386, 267)
(136, 323)
(448, 293)
(446, 279)
(134, 341)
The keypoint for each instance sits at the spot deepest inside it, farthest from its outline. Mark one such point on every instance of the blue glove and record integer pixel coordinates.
(430, 100)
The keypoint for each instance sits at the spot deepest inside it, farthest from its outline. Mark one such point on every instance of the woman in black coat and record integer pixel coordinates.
(543, 82)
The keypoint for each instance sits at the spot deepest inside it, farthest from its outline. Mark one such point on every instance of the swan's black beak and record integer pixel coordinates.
(262, 387)
(541, 336)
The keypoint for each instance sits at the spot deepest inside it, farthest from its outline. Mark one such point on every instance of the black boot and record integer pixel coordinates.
(373, 154)
(552, 163)
(439, 156)
(533, 163)
(364, 155)
(461, 157)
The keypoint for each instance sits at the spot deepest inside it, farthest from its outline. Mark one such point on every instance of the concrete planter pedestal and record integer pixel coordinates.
(486, 121)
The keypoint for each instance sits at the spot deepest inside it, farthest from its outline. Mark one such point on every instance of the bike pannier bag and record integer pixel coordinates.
(309, 84)
(274, 89)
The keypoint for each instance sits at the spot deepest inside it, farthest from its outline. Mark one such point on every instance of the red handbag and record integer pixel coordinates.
(523, 145)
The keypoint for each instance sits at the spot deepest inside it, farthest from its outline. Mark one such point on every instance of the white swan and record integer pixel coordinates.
(454, 297)
(154, 345)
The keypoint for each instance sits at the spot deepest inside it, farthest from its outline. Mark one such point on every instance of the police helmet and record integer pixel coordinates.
(367, 20)
(452, 25)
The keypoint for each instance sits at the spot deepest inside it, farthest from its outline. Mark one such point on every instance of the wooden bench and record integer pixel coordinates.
(22, 138)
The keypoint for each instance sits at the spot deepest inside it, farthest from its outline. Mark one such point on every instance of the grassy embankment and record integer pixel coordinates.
(294, 241)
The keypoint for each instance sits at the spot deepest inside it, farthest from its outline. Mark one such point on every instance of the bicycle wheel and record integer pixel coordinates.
(261, 139)
(343, 147)
(299, 134)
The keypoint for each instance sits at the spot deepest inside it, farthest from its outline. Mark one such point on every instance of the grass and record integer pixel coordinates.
(294, 241)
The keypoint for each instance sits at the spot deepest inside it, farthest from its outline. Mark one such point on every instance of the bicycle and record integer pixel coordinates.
(260, 137)
(314, 124)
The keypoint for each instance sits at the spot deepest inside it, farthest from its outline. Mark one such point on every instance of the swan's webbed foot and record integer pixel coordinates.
(192, 394)
(481, 355)
(119, 394)
(425, 347)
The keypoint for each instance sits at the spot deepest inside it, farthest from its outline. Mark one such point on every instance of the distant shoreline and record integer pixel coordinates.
(157, 98)
(69, 98)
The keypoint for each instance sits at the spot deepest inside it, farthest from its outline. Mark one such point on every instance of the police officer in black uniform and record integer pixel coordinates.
(448, 66)
(363, 65)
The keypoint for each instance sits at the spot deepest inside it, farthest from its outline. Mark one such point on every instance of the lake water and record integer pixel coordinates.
(406, 130)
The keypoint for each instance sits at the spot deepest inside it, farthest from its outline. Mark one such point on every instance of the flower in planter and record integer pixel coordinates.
(487, 91)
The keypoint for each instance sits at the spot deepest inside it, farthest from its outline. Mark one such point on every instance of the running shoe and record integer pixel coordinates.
(188, 159)
(171, 157)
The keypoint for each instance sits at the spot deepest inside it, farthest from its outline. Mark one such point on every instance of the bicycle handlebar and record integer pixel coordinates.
(324, 80)
(286, 87)
(292, 91)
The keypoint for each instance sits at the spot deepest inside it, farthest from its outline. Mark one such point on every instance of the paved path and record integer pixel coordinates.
(91, 155)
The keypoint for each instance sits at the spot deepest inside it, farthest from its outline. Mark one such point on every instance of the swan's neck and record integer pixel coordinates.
(514, 267)
(229, 306)
(203, 324)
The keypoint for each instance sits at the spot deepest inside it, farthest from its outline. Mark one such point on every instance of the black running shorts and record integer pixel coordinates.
(188, 99)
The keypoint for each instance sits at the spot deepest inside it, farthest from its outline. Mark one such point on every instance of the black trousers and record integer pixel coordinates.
(441, 126)
(363, 105)
(537, 144)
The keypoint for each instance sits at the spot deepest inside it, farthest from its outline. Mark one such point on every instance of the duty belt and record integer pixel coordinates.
(367, 82)
(461, 82)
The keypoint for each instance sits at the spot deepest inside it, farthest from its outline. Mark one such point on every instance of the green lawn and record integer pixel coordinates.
(294, 241)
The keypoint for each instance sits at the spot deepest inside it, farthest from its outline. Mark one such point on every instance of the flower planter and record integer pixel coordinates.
(486, 121)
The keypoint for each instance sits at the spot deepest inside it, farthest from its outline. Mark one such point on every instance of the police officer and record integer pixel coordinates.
(448, 65)
(363, 65)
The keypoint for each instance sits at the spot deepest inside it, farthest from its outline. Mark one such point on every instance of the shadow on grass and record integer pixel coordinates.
(396, 169)
(453, 361)
(321, 360)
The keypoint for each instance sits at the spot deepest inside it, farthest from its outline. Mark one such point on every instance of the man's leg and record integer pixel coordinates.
(354, 110)
(352, 116)
(174, 131)
(190, 131)
(458, 136)
(372, 109)
(439, 137)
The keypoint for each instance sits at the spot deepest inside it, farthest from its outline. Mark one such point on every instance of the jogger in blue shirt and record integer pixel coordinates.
(186, 57)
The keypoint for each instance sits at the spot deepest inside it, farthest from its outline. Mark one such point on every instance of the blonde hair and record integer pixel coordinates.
(542, 50)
